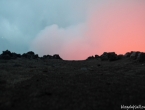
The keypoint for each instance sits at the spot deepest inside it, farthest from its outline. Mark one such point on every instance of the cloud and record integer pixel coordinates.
(63, 41)
(21, 21)
(113, 26)
(73, 29)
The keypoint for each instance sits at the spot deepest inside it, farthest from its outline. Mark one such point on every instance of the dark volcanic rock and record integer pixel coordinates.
(30, 55)
(111, 56)
(15, 55)
(7, 52)
(56, 56)
(36, 56)
(24, 55)
(90, 58)
(134, 55)
(97, 56)
(127, 54)
(104, 56)
(6, 55)
(47, 57)
(141, 57)
(120, 56)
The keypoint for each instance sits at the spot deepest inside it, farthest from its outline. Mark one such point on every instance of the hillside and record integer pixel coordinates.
(54, 84)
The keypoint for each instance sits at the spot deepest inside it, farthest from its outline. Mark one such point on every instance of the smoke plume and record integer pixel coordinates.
(74, 29)
(112, 26)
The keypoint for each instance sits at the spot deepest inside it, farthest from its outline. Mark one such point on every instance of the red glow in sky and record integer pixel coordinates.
(117, 27)
(113, 26)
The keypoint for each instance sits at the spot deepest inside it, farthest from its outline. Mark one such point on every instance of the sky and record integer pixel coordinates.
(74, 29)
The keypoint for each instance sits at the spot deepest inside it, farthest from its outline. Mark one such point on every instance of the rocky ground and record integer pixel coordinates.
(42, 84)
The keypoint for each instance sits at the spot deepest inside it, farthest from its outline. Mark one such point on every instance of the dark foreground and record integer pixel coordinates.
(71, 85)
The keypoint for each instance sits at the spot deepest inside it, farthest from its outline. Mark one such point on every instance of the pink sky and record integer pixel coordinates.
(112, 26)
(118, 27)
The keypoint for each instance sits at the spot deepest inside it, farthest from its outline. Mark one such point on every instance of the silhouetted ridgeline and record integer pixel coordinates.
(7, 55)
(112, 56)
(106, 56)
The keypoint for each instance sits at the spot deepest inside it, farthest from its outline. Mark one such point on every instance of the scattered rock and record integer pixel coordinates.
(30, 55)
(134, 55)
(6, 55)
(90, 58)
(104, 56)
(97, 56)
(127, 54)
(47, 57)
(7, 52)
(15, 55)
(111, 56)
(141, 57)
(120, 56)
(56, 56)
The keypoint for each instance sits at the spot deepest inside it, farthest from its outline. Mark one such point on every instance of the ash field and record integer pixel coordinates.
(109, 81)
